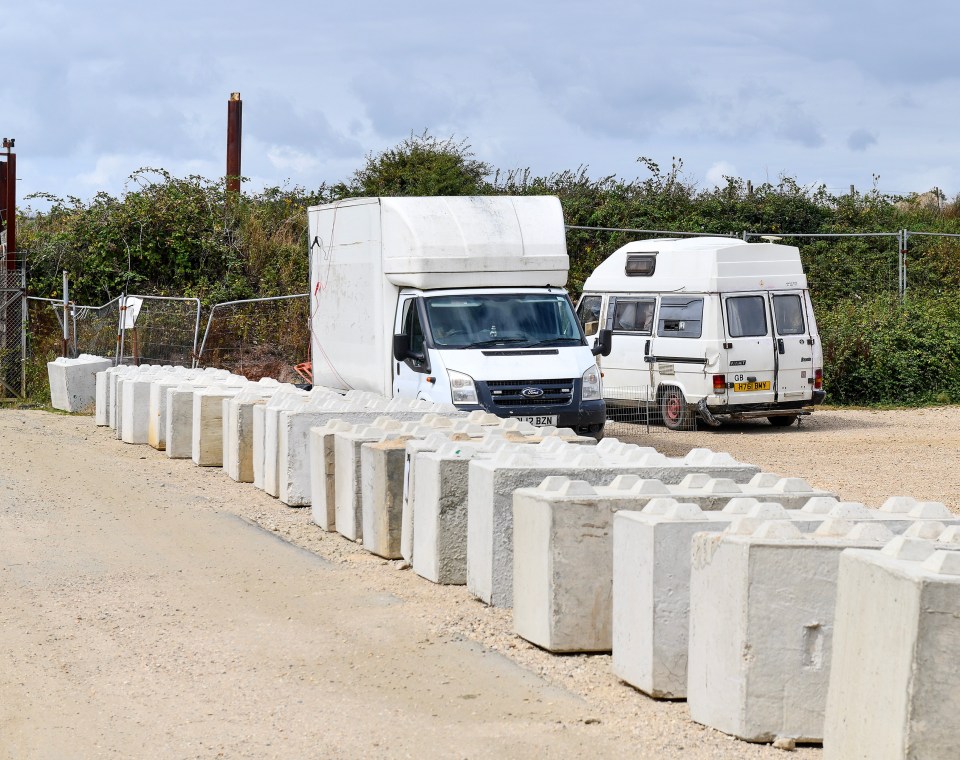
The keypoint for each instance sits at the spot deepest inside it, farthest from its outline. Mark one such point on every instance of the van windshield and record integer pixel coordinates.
(521, 320)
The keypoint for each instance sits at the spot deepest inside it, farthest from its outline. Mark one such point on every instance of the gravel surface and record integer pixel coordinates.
(149, 609)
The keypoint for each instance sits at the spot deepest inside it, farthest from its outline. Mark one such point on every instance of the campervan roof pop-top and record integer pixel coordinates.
(710, 326)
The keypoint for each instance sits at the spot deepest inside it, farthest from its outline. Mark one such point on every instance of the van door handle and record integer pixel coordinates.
(646, 348)
(780, 347)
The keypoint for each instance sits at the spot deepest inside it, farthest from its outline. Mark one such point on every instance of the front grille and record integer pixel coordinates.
(510, 392)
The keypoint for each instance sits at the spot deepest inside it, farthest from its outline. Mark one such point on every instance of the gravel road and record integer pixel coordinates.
(154, 608)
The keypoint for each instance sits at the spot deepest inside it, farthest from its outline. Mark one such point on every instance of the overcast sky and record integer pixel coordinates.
(822, 91)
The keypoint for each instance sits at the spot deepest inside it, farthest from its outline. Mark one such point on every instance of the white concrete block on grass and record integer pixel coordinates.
(73, 382)
(768, 591)
(893, 691)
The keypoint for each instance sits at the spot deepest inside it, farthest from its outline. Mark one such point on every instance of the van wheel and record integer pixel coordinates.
(673, 409)
(783, 420)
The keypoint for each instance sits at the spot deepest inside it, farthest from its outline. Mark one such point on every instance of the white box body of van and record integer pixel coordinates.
(708, 325)
(426, 269)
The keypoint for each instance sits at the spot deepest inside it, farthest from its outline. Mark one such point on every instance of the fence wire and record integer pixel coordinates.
(638, 410)
(258, 337)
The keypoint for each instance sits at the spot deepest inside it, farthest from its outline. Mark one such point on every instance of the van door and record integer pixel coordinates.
(409, 376)
(751, 354)
(630, 318)
(794, 347)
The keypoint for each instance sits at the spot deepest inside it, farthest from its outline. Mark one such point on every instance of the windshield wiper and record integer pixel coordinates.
(555, 342)
(494, 342)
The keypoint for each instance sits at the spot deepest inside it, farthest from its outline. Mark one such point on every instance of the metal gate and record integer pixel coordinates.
(13, 321)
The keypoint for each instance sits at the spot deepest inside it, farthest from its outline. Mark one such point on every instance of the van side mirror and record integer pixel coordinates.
(603, 344)
(401, 347)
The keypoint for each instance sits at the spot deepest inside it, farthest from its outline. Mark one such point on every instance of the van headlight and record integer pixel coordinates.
(591, 390)
(462, 388)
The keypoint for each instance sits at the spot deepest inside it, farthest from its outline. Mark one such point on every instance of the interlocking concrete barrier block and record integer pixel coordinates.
(651, 594)
(440, 496)
(265, 435)
(207, 431)
(761, 623)
(323, 473)
(492, 483)
(347, 488)
(893, 690)
(157, 406)
(238, 428)
(381, 495)
(73, 382)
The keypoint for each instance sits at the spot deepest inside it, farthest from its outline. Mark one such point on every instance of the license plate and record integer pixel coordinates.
(763, 385)
(540, 420)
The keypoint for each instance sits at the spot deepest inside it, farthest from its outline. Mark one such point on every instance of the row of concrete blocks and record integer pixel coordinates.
(736, 609)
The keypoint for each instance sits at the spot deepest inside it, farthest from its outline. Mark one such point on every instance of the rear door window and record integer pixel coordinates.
(747, 316)
(788, 310)
(680, 317)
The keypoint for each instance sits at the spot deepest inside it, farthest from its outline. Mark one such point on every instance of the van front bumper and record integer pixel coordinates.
(584, 417)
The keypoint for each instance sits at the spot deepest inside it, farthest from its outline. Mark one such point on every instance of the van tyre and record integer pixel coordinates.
(783, 420)
(673, 409)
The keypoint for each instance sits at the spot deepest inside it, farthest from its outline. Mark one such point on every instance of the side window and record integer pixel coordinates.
(588, 312)
(747, 316)
(633, 315)
(788, 310)
(411, 325)
(680, 317)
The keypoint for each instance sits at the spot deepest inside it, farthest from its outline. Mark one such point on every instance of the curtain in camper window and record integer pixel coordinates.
(747, 316)
(789, 312)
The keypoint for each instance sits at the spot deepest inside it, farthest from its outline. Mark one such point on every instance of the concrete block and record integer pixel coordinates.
(238, 430)
(206, 444)
(439, 510)
(265, 439)
(892, 691)
(323, 474)
(381, 495)
(347, 476)
(651, 594)
(73, 382)
(157, 410)
(493, 481)
(761, 624)
(135, 410)
(179, 421)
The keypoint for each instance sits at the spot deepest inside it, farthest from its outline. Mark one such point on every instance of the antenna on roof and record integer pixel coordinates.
(771, 238)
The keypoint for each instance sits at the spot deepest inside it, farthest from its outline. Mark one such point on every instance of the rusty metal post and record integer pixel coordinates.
(10, 203)
(234, 124)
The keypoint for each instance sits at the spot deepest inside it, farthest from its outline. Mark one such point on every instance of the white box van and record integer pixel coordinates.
(452, 299)
(710, 326)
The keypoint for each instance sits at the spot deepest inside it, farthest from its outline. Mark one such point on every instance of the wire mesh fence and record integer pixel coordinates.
(12, 329)
(163, 331)
(639, 410)
(258, 337)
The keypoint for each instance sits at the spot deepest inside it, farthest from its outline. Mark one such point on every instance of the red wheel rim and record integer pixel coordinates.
(673, 408)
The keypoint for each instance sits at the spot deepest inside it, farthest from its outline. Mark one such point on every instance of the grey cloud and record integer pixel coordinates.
(860, 140)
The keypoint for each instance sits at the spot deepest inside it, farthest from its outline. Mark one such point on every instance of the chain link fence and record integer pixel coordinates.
(13, 316)
(258, 337)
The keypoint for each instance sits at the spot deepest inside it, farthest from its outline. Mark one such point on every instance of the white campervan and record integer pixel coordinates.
(711, 326)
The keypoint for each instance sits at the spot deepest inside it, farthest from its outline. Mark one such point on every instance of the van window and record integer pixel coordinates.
(588, 312)
(747, 316)
(633, 315)
(411, 325)
(788, 310)
(680, 317)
